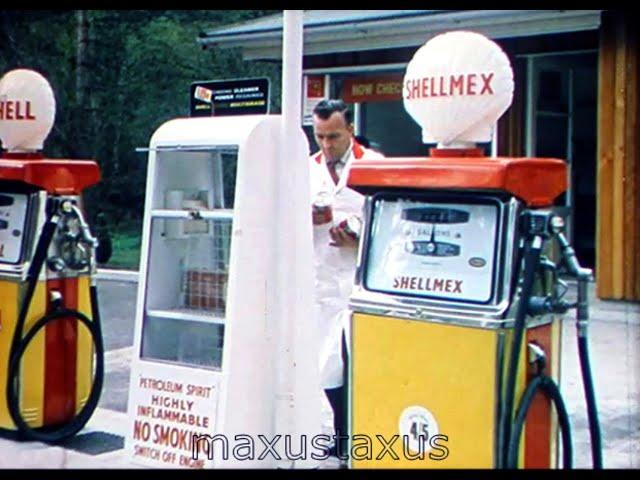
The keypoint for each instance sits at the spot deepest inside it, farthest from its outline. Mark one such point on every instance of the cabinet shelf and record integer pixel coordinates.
(188, 314)
(216, 214)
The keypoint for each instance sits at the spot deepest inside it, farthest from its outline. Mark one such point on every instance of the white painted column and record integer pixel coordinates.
(494, 141)
(298, 378)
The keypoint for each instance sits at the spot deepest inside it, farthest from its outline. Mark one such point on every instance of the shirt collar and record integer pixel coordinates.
(345, 157)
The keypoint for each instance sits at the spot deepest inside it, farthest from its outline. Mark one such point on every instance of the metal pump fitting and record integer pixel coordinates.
(75, 245)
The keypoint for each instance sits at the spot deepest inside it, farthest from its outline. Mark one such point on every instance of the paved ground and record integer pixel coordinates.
(615, 358)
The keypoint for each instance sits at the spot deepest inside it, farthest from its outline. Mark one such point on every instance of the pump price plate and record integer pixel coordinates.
(432, 249)
(13, 215)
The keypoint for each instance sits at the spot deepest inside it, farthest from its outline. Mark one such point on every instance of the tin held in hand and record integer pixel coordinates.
(351, 226)
(321, 209)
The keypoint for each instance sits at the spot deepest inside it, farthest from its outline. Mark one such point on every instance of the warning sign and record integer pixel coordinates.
(168, 414)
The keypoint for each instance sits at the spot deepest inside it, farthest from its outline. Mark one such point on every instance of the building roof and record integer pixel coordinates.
(332, 31)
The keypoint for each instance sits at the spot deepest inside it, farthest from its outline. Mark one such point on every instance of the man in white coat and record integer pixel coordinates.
(337, 217)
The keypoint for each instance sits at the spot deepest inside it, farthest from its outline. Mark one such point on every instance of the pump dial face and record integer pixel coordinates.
(442, 249)
(13, 217)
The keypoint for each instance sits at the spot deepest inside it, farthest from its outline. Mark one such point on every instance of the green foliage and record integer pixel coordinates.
(126, 246)
(138, 69)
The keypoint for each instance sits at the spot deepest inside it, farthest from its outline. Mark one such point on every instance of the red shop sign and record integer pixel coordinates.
(380, 88)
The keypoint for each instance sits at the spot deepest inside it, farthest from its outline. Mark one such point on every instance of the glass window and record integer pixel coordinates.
(187, 304)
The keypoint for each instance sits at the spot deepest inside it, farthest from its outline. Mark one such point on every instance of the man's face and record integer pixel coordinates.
(333, 135)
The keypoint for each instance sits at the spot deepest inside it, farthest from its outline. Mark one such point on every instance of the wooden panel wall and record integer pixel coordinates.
(618, 185)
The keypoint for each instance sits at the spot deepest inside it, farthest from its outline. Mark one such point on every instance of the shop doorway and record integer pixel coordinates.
(561, 123)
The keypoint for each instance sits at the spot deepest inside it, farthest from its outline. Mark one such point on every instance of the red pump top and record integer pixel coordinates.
(536, 181)
(57, 176)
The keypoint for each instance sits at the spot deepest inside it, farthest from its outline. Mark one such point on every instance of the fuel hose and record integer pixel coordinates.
(592, 411)
(583, 276)
(544, 383)
(532, 248)
(548, 386)
(21, 340)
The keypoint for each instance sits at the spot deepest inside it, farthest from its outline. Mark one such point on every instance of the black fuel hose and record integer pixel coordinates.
(19, 344)
(532, 249)
(583, 276)
(549, 387)
(592, 411)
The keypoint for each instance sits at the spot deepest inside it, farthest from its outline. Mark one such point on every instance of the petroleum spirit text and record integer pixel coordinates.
(428, 284)
(448, 86)
(175, 387)
(16, 110)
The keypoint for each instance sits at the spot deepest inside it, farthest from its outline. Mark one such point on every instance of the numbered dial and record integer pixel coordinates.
(431, 247)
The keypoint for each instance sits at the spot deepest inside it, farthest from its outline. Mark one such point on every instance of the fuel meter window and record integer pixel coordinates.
(441, 248)
(13, 222)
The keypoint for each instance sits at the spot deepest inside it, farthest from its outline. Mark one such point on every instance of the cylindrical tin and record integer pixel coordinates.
(321, 209)
(351, 226)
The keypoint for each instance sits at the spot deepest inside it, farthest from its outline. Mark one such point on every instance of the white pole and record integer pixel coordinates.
(494, 141)
(297, 415)
(291, 71)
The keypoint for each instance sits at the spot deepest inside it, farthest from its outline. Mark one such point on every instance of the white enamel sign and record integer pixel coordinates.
(457, 86)
(172, 416)
(441, 250)
(27, 110)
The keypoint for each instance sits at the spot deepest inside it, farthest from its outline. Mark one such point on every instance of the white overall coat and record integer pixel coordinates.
(334, 266)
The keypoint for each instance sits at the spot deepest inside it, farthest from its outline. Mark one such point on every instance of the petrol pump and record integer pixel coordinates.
(457, 303)
(51, 350)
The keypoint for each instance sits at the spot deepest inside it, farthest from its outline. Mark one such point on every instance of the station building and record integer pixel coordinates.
(576, 98)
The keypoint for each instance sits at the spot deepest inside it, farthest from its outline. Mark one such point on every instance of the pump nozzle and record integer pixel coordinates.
(75, 243)
(537, 357)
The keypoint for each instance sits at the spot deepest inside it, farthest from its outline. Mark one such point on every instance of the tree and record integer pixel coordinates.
(117, 76)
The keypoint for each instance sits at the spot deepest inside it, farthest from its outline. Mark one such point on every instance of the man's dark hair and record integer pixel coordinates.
(326, 108)
(362, 140)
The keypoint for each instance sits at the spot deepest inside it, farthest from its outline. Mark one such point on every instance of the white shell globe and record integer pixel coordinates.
(457, 86)
(27, 110)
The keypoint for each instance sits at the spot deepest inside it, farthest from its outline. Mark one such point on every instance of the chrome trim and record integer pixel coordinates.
(33, 226)
(218, 214)
(362, 299)
(497, 438)
(14, 272)
(450, 316)
(513, 211)
(68, 206)
(190, 148)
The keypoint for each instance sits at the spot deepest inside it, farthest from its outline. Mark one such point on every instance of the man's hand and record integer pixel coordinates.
(340, 238)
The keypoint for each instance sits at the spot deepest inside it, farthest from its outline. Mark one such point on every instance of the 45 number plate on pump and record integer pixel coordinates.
(13, 215)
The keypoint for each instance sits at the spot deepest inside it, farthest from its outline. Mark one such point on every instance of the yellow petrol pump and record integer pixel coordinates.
(456, 326)
(50, 382)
